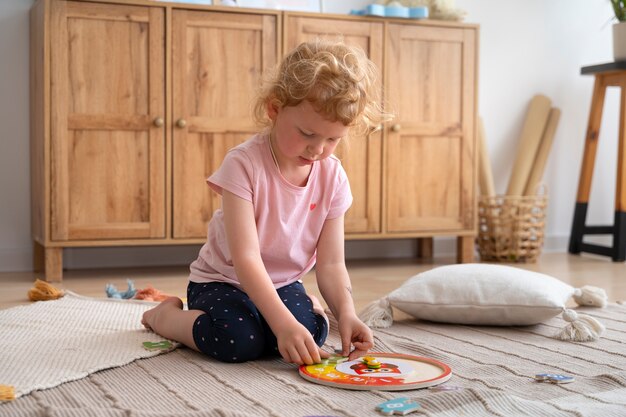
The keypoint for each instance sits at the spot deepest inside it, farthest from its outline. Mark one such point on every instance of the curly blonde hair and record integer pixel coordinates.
(338, 80)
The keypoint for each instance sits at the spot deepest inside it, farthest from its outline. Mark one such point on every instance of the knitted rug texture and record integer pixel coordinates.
(48, 343)
(493, 367)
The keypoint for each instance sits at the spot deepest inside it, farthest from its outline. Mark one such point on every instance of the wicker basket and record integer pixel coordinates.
(511, 228)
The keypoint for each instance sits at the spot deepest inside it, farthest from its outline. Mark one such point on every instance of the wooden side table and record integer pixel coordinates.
(606, 75)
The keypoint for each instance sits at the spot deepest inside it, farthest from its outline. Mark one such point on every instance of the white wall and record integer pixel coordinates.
(526, 47)
(15, 246)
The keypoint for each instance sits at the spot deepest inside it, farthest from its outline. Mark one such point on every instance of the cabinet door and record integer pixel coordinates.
(218, 61)
(360, 155)
(107, 88)
(430, 148)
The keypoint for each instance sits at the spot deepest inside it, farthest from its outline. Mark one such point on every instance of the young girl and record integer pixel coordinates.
(284, 196)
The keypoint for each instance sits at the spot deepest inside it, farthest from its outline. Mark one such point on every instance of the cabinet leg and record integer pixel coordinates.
(425, 247)
(53, 264)
(39, 263)
(465, 249)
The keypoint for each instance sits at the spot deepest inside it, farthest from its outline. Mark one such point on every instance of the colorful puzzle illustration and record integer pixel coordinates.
(379, 371)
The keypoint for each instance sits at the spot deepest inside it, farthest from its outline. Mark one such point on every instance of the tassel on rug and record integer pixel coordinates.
(582, 327)
(378, 313)
(7, 392)
(590, 296)
(42, 291)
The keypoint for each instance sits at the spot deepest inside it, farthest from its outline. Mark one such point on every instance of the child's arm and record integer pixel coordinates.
(334, 284)
(295, 343)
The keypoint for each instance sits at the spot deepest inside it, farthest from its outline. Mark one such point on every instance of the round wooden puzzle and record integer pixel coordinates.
(391, 372)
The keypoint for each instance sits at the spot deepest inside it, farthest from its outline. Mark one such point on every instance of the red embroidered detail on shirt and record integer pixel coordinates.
(312, 206)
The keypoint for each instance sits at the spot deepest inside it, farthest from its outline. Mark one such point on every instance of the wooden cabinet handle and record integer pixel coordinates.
(181, 123)
(159, 122)
(396, 128)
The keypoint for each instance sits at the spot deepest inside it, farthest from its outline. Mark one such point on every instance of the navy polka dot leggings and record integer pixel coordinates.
(233, 330)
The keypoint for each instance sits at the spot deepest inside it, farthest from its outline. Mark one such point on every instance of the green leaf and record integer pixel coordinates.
(619, 8)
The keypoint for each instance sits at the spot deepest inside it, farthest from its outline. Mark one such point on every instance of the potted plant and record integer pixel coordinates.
(619, 30)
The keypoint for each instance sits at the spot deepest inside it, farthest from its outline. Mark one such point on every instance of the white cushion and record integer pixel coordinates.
(482, 294)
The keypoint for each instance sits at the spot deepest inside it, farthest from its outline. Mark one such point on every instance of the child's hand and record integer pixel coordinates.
(296, 345)
(354, 332)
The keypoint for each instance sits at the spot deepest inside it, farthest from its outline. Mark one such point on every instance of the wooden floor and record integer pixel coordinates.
(370, 279)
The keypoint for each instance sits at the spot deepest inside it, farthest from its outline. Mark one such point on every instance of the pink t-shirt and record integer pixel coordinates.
(289, 219)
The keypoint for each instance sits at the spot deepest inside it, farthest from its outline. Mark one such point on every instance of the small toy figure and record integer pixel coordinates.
(112, 291)
(371, 362)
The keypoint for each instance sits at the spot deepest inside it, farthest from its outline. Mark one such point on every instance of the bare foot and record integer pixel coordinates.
(152, 315)
(317, 308)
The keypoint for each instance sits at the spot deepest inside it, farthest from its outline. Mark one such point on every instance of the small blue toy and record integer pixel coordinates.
(112, 291)
(399, 406)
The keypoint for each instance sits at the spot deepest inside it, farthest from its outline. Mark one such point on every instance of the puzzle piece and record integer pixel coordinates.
(398, 406)
(334, 360)
(162, 345)
(371, 362)
(554, 378)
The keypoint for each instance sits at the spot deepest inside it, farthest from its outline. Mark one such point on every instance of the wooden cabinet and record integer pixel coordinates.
(134, 103)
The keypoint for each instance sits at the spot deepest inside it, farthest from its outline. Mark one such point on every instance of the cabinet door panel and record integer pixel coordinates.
(108, 159)
(434, 72)
(434, 179)
(218, 61)
(360, 155)
(93, 166)
(430, 153)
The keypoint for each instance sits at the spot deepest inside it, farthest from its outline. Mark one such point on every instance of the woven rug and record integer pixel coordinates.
(494, 366)
(48, 343)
